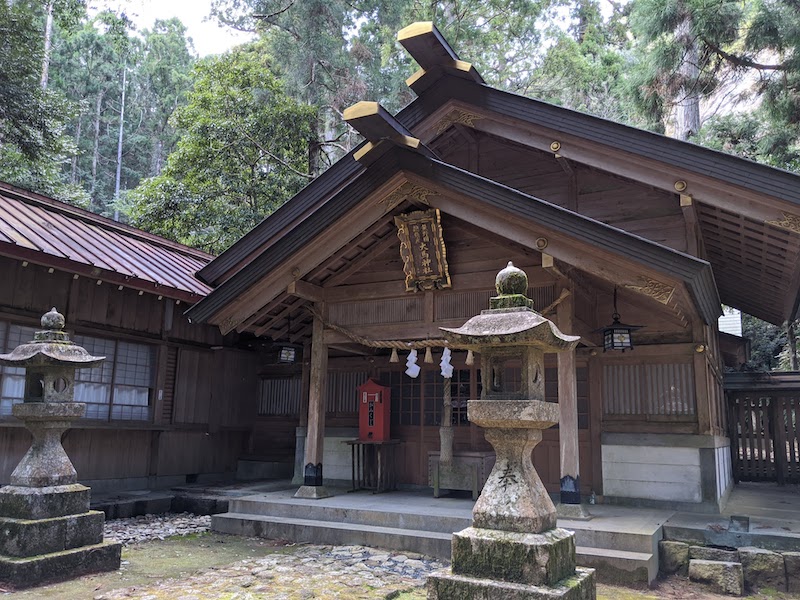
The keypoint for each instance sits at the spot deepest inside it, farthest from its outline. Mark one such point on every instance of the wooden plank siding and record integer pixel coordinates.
(203, 401)
(599, 195)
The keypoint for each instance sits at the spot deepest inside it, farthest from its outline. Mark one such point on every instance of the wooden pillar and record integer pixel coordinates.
(568, 407)
(315, 438)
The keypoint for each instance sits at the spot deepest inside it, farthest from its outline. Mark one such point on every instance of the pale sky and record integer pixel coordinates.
(207, 36)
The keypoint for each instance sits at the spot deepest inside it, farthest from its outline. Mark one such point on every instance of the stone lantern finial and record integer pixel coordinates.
(54, 320)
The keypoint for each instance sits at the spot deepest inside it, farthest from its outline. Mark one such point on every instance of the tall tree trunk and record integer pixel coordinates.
(96, 149)
(687, 102)
(73, 175)
(119, 142)
(48, 41)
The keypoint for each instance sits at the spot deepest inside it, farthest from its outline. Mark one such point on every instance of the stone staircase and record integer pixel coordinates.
(623, 554)
(621, 551)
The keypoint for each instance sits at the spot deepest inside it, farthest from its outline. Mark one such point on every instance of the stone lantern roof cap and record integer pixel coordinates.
(51, 347)
(511, 327)
(511, 320)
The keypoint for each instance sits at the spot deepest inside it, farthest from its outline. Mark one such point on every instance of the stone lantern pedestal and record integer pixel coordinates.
(47, 531)
(514, 549)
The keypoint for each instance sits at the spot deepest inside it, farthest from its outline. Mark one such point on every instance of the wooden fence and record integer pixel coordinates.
(764, 423)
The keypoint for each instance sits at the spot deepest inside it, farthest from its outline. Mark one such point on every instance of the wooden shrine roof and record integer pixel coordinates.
(694, 273)
(54, 234)
(748, 213)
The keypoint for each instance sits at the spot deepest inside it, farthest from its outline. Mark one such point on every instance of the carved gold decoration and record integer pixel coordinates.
(789, 221)
(680, 185)
(555, 146)
(655, 289)
(454, 117)
(422, 250)
(404, 192)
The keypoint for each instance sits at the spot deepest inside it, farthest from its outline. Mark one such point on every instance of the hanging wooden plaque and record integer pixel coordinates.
(422, 250)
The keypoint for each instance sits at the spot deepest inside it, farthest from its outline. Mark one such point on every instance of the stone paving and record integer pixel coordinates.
(291, 572)
(155, 527)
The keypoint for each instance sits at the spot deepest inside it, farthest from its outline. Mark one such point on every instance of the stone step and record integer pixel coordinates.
(429, 543)
(619, 566)
(629, 541)
(388, 517)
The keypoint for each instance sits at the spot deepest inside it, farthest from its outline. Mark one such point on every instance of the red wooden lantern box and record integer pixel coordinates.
(373, 412)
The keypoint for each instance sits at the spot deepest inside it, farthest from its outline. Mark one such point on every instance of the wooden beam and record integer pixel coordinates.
(378, 126)
(281, 315)
(318, 376)
(701, 391)
(549, 265)
(568, 411)
(306, 291)
(689, 210)
(374, 122)
(362, 260)
(426, 45)
(572, 192)
(649, 171)
(597, 262)
(325, 245)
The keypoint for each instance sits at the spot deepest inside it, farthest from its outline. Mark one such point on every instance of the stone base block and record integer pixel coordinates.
(721, 577)
(763, 569)
(312, 492)
(18, 502)
(710, 553)
(28, 572)
(529, 558)
(575, 512)
(792, 562)
(449, 586)
(673, 557)
(22, 537)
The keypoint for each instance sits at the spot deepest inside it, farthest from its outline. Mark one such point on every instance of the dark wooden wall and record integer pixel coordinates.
(201, 419)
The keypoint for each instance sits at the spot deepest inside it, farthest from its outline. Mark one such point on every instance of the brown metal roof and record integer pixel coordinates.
(51, 233)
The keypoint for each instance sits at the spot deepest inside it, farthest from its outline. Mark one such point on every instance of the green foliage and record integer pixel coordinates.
(33, 140)
(242, 152)
(24, 107)
(87, 66)
(766, 343)
(585, 68)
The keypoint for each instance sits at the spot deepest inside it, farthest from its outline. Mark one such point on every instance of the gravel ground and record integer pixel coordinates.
(146, 528)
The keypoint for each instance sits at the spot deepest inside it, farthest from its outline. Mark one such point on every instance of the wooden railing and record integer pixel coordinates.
(764, 426)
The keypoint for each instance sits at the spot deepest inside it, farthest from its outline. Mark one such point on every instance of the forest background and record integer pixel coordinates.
(133, 125)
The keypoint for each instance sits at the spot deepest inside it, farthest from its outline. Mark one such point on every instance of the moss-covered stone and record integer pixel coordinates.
(710, 553)
(538, 559)
(26, 572)
(721, 577)
(763, 569)
(450, 586)
(673, 557)
(791, 560)
(18, 502)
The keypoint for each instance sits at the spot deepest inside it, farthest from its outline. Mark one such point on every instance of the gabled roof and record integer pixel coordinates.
(749, 213)
(693, 273)
(50, 233)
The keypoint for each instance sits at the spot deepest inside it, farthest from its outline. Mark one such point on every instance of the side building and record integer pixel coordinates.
(174, 401)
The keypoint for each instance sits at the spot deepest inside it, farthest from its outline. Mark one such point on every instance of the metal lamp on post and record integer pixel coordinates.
(617, 335)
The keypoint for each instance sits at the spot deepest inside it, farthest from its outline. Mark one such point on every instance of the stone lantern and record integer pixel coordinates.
(46, 528)
(513, 548)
